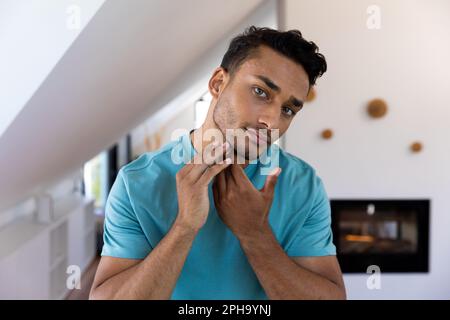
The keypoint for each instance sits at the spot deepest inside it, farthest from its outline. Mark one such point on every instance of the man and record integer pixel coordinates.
(211, 229)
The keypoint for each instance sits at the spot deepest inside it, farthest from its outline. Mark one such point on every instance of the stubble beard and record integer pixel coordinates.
(225, 119)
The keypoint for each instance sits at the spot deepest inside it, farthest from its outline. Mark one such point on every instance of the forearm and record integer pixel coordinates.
(280, 276)
(156, 275)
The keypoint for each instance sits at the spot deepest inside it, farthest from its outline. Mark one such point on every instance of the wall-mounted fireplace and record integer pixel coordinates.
(392, 234)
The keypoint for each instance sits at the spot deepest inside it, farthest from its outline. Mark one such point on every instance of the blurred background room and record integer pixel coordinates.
(89, 85)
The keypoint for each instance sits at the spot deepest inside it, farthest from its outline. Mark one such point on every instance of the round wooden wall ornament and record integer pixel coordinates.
(377, 108)
(416, 147)
(311, 95)
(327, 134)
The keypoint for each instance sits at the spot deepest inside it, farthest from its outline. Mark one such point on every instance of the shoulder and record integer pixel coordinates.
(151, 165)
(300, 178)
(149, 158)
(306, 190)
(296, 167)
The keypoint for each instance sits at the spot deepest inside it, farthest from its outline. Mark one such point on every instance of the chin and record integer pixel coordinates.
(254, 156)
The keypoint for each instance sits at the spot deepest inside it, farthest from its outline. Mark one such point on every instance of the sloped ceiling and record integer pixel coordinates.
(34, 35)
(110, 79)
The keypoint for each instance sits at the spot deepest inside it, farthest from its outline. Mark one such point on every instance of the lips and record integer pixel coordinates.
(257, 136)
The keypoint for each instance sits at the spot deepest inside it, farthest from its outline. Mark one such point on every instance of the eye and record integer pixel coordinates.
(260, 92)
(288, 111)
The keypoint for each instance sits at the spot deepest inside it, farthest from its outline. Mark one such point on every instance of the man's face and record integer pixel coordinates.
(265, 92)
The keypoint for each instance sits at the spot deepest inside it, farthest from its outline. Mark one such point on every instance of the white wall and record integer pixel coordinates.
(147, 137)
(406, 62)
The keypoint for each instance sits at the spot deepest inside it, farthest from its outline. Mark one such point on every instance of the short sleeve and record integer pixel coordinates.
(123, 236)
(315, 237)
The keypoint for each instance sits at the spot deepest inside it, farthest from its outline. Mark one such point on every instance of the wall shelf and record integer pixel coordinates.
(34, 256)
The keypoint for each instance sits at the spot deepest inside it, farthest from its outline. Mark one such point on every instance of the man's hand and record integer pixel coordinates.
(242, 207)
(192, 185)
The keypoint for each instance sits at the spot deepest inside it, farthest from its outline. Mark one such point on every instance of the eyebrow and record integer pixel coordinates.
(272, 85)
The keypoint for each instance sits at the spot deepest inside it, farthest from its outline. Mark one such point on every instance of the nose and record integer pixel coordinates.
(270, 118)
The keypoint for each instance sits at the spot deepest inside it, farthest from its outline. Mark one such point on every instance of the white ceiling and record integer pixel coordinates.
(34, 35)
(125, 65)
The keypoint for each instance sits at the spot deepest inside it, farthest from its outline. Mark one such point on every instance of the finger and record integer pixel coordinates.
(187, 167)
(216, 193)
(239, 176)
(214, 153)
(200, 167)
(232, 181)
(229, 179)
(212, 171)
(227, 174)
(221, 182)
(197, 159)
(271, 181)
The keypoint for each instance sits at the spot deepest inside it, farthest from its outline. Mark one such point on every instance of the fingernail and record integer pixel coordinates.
(275, 172)
(227, 160)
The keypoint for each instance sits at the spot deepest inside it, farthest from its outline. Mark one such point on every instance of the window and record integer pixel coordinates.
(95, 180)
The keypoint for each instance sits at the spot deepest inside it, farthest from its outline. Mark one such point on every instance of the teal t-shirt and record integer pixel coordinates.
(142, 205)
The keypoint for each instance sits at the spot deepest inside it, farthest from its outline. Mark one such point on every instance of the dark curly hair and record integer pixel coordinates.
(289, 43)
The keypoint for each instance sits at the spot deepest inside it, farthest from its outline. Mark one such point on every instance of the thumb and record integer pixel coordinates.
(271, 181)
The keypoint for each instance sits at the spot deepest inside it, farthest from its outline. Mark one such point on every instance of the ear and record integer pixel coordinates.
(217, 82)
